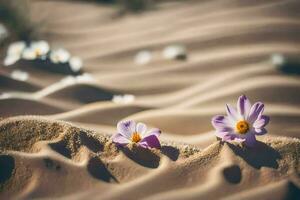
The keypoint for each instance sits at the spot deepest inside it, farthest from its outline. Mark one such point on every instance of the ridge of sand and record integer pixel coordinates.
(33, 146)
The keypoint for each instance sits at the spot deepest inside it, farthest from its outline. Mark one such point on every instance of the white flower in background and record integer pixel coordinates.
(16, 48)
(37, 49)
(75, 64)
(41, 48)
(123, 99)
(19, 75)
(10, 60)
(59, 56)
(277, 59)
(174, 52)
(14, 52)
(3, 32)
(29, 54)
(143, 57)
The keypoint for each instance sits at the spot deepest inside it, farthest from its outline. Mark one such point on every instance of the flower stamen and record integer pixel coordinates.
(136, 137)
(38, 52)
(242, 127)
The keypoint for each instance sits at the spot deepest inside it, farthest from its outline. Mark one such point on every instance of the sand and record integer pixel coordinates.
(47, 158)
(55, 135)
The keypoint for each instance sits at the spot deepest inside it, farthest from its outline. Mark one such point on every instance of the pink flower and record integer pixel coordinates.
(243, 124)
(130, 132)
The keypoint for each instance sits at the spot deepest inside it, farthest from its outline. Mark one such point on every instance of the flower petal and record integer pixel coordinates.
(141, 128)
(250, 140)
(126, 128)
(233, 115)
(224, 135)
(227, 138)
(75, 64)
(154, 131)
(150, 141)
(16, 48)
(10, 60)
(220, 122)
(261, 122)
(243, 106)
(29, 54)
(120, 139)
(260, 131)
(42, 47)
(255, 111)
(238, 139)
(59, 56)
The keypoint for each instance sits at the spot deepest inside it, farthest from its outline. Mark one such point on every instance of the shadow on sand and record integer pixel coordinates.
(142, 156)
(7, 166)
(259, 156)
(99, 171)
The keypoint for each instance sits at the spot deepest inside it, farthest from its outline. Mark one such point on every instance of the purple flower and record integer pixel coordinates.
(243, 124)
(130, 132)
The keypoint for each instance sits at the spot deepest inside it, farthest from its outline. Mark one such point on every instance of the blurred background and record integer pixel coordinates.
(172, 64)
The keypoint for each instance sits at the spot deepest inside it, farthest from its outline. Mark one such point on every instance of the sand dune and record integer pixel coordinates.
(229, 44)
(57, 150)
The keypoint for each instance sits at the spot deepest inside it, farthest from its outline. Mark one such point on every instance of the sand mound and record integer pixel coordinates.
(20, 106)
(8, 82)
(75, 161)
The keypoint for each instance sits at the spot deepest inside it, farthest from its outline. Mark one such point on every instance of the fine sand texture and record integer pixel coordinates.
(46, 158)
(55, 131)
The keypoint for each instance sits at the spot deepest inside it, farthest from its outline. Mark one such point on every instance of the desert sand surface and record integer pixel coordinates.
(55, 134)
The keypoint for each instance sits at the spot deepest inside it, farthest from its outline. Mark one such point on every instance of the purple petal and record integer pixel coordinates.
(223, 135)
(141, 128)
(260, 131)
(250, 140)
(243, 106)
(126, 128)
(261, 122)
(233, 115)
(255, 111)
(120, 139)
(150, 141)
(154, 131)
(221, 123)
(238, 139)
(227, 137)
(222, 126)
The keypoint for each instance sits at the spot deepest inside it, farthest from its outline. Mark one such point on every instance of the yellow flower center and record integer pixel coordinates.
(136, 137)
(242, 127)
(38, 52)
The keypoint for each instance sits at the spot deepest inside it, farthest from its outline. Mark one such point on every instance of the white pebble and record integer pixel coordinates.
(277, 59)
(143, 57)
(174, 52)
(19, 75)
(123, 99)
